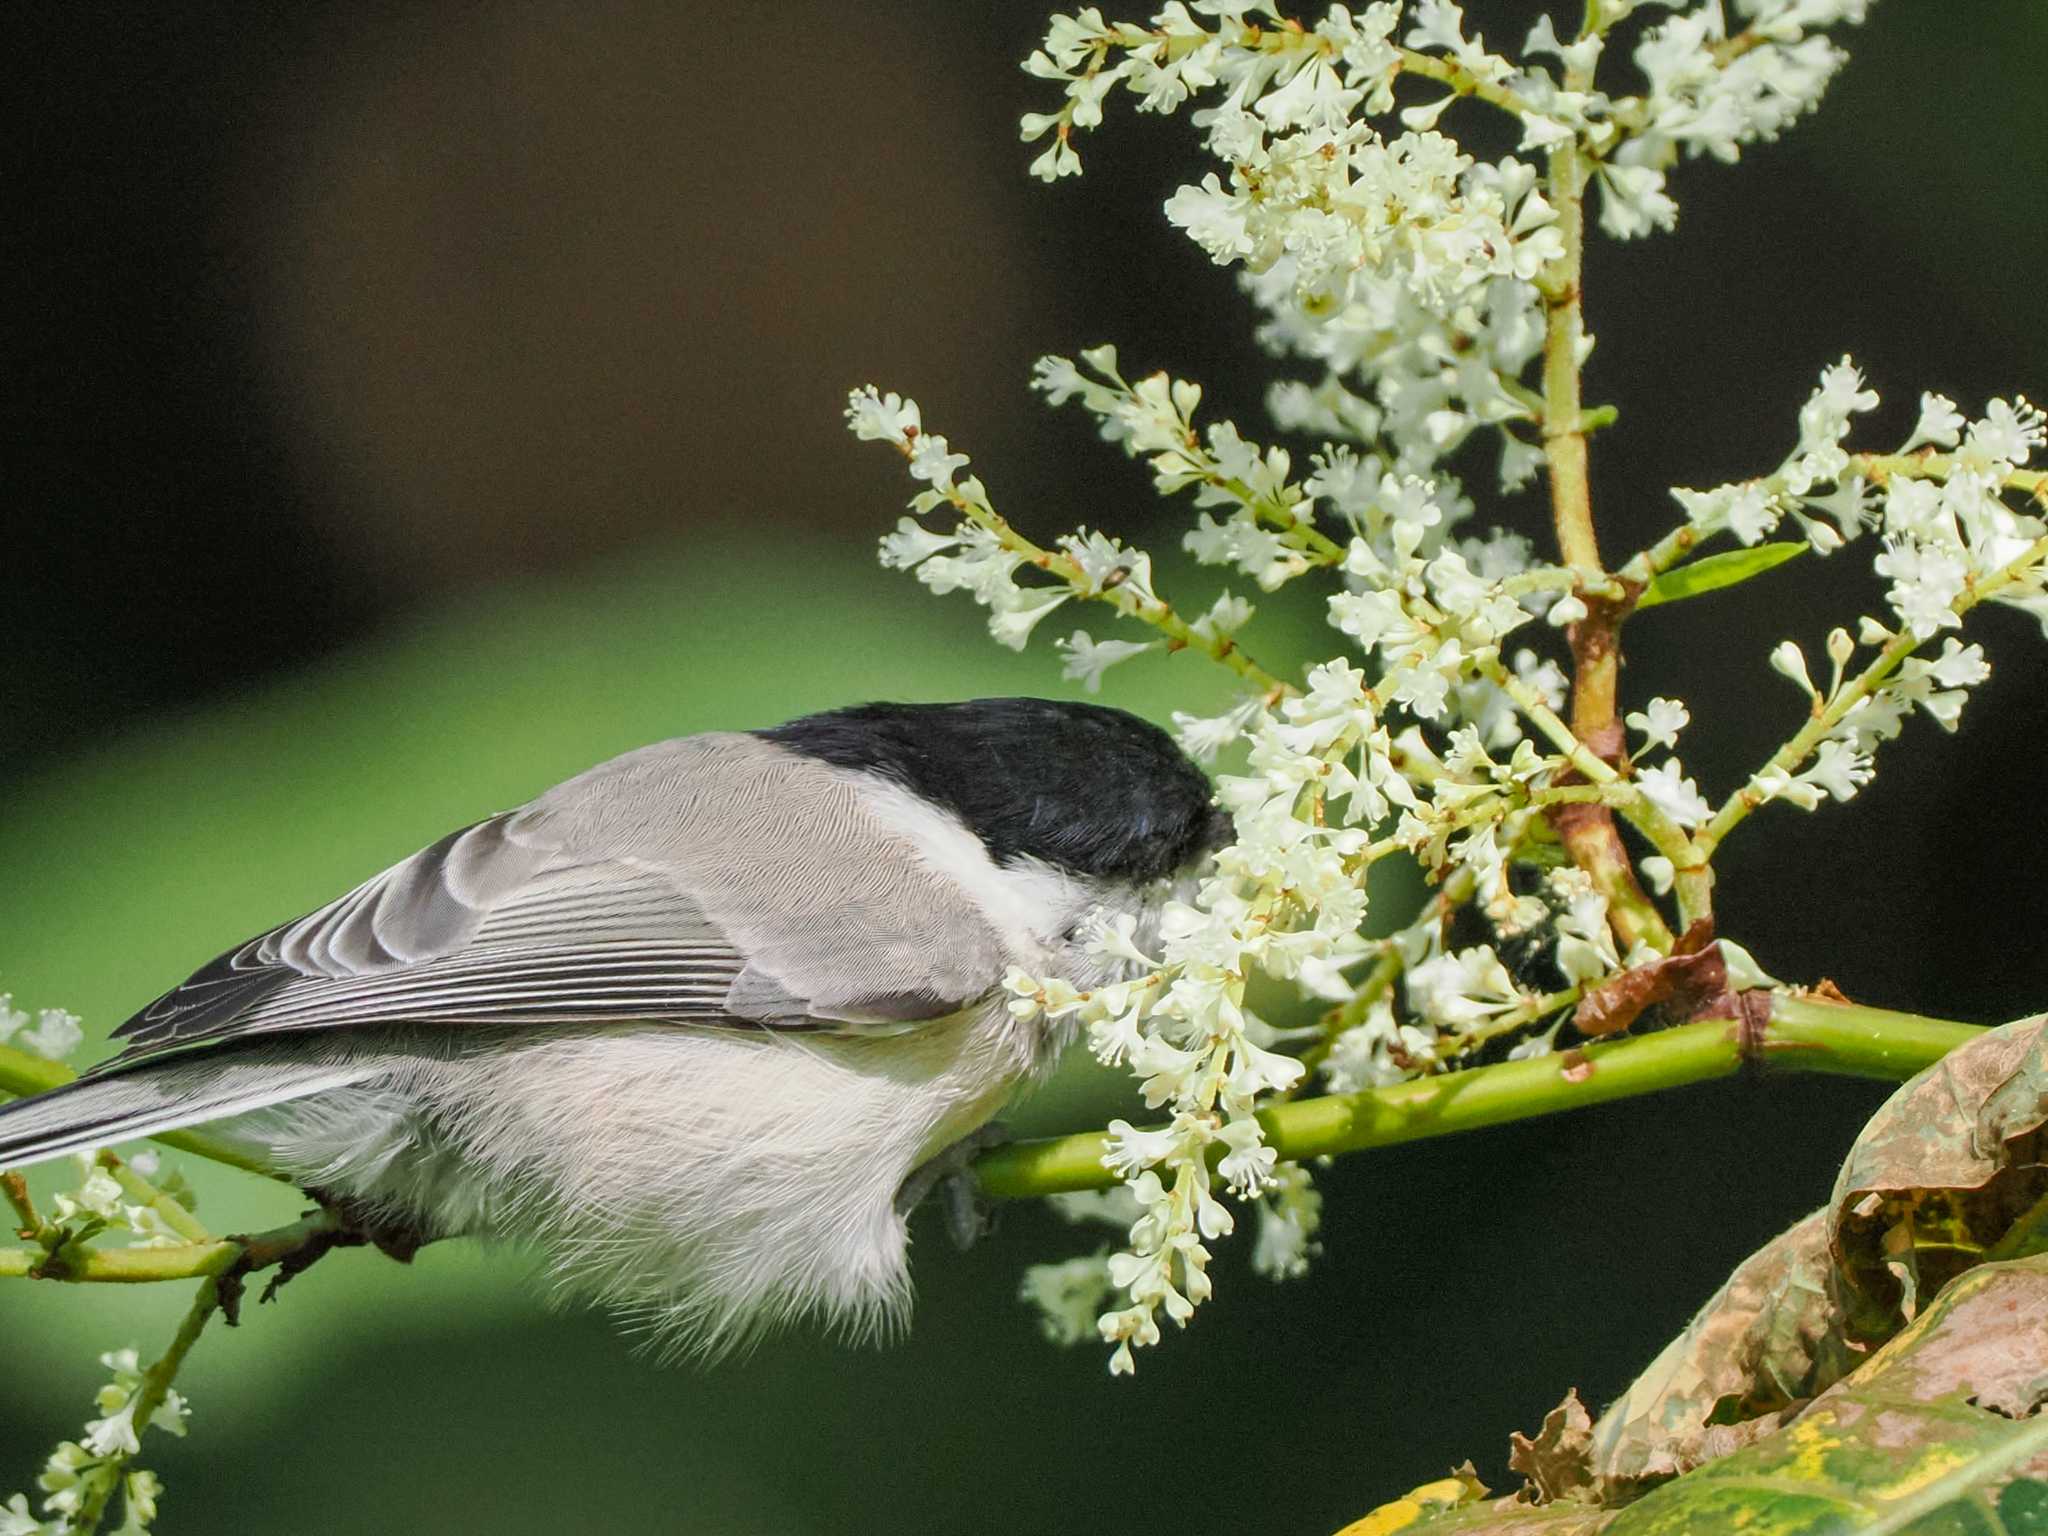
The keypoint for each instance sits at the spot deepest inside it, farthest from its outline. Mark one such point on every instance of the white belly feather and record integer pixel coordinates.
(712, 1183)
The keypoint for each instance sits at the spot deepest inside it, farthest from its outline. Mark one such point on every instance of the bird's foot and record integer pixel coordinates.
(969, 1215)
(341, 1222)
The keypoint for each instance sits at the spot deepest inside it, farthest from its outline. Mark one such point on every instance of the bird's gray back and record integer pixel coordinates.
(710, 877)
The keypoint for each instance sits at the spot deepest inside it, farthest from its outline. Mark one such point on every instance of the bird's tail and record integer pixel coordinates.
(162, 1095)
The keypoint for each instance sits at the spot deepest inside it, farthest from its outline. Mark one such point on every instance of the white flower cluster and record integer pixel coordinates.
(82, 1476)
(1415, 275)
(1710, 93)
(96, 1205)
(1182, 1027)
(1431, 607)
(1267, 530)
(981, 555)
(1426, 283)
(1948, 537)
(53, 1035)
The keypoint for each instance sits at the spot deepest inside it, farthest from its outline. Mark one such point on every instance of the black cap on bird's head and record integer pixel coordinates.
(1087, 788)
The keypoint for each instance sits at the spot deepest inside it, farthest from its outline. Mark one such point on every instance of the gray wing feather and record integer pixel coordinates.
(715, 877)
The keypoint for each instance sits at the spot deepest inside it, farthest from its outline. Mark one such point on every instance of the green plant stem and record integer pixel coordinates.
(1564, 436)
(142, 1192)
(1557, 578)
(15, 1188)
(1612, 870)
(125, 1266)
(180, 1261)
(156, 1385)
(1464, 83)
(1929, 465)
(1854, 1041)
(1495, 807)
(1684, 540)
(22, 1074)
(1801, 1036)
(1155, 611)
(1386, 970)
(1647, 565)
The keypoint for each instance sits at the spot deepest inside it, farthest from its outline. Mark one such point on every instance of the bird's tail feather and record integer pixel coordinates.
(161, 1096)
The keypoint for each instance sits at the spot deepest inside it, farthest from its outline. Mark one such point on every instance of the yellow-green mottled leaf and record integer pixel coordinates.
(1412, 1515)
(1941, 1432)
(1716, 572)
(1949, 1172)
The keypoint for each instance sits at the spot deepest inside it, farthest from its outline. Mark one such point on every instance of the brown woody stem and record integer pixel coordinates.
(1588, 831)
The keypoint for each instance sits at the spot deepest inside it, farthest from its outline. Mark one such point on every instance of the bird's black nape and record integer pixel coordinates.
(1090, 789)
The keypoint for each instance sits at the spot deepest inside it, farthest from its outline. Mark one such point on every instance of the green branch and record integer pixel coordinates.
(177, 1261)
(149, 1397)
(1463, 82)
(1801, 1036)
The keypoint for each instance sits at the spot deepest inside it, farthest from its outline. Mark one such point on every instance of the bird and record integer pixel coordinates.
(703, 1023)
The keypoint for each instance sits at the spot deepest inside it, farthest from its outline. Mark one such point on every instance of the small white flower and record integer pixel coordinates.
(1226, 616)
(912, 543)
(1248, 1166)
(2007, 433)
(1087, 659)
(1012, 619)
(1659, 722)
(1113, 939)
(1788, 659)
(1678, 797)
(1131, 1149)
(875, 417)
(1202, 737)
(12, 1019)
(15, 1520)
(1839, 769)
(1290, 1214)
(55, 1036)
(1940, 424)
(1569, 609)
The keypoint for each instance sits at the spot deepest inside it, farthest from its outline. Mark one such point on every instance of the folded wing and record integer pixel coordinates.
(715, 879)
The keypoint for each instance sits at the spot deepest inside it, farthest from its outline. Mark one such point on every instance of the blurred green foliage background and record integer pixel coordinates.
(417, 403)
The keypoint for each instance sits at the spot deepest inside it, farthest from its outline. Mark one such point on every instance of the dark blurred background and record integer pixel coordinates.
(411, 404)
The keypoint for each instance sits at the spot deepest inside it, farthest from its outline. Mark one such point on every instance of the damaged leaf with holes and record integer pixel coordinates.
(1939, 1434)
(1769, 1339)
(1880, 1366)
(1947, 1174)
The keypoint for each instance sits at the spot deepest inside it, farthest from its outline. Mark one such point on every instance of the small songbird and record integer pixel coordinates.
(703, 1022)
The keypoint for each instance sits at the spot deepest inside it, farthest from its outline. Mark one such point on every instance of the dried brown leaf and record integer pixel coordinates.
(1941, 1174)
(1682, 982)
(1767, 1340)
(1558, 1462)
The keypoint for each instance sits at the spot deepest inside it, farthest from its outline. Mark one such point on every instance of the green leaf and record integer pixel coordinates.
(1942, 1431)
(1716, 571)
